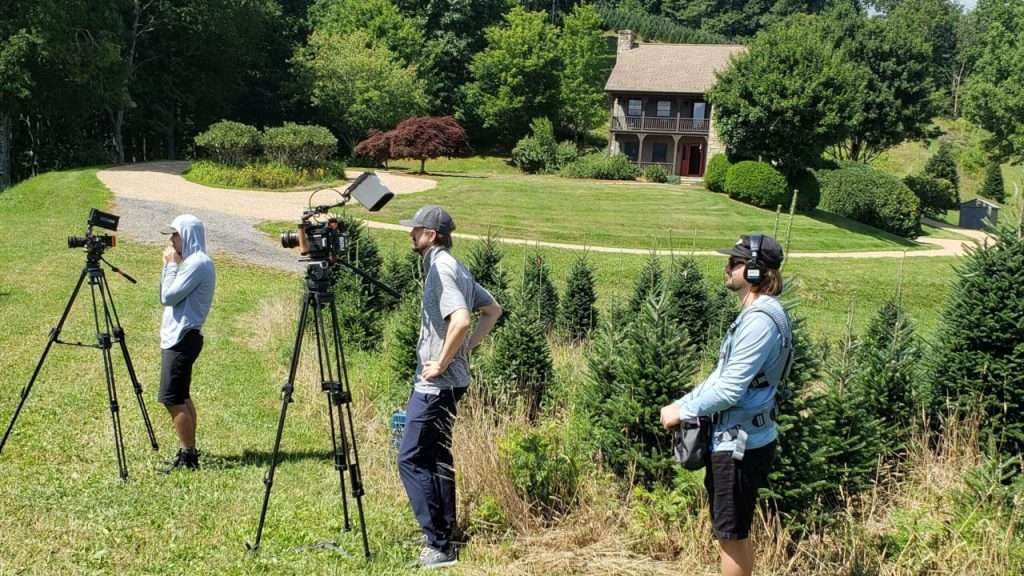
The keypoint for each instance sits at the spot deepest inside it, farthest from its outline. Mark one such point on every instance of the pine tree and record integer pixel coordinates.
(648, 284)
(578, 312)
(978, 360)
(484, 263)
(538, 291)
(520, 367)
(993, 187)
(688, 299)
(888, 360)
(359, 301)
(943, 165)
(403, 274)
(403, 336)
(634, 370)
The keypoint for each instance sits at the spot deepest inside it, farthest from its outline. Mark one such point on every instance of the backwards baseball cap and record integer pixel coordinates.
(433, 218)
(769, 254)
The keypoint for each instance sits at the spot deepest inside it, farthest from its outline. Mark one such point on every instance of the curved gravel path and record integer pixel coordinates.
(149, 195)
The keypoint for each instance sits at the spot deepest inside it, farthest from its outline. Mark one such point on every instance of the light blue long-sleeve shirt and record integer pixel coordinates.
(753, 345)
(186, 289)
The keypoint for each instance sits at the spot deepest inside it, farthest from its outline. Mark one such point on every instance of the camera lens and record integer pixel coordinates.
(77, 241)
(289, 239)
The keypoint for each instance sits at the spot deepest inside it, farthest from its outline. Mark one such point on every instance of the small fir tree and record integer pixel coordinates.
(688, 299)
(403, 274)
(484, 262)
(520, 367)
(578, 311)
(403, 334)
(538, 292)
(978, 360)
(648, 284)
(943, 165)
(634, 370)
(359, 301)
(993, 187)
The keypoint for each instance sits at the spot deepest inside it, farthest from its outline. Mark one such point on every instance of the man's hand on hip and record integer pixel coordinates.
(432, 369)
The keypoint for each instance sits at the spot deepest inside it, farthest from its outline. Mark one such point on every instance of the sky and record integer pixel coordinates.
(968, 4)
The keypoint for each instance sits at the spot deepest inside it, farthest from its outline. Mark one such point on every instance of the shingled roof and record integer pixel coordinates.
(672, 68)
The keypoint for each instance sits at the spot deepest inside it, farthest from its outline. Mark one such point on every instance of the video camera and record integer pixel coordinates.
(96, 243)
(325, 240)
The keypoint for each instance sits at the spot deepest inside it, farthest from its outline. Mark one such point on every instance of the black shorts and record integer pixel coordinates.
(176, 368)
(732, 489)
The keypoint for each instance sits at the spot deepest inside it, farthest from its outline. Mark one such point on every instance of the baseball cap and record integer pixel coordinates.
(770, 253)
(168, 230)
(433, 218)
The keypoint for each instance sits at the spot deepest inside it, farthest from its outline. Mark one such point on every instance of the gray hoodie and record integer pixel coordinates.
(186, 289)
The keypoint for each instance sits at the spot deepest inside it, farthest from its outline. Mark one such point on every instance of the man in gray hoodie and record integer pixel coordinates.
(186, 291)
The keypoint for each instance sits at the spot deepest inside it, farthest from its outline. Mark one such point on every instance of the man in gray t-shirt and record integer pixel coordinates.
(450, 296)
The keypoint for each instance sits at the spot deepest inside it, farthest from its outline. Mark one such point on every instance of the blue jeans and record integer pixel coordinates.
(426, 466)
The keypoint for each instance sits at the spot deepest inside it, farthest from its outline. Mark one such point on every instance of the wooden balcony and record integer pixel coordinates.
(660, 124)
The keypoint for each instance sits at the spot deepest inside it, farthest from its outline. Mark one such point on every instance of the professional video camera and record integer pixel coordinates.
(321, 240)
(96, 243)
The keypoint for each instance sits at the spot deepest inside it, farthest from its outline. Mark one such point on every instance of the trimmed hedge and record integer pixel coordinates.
(229, 142)
(866, 195)
(601, 166)
(298, 145)
(810, 190)
(656, 174)
(756, 183)
(714, 176)
(935, 194)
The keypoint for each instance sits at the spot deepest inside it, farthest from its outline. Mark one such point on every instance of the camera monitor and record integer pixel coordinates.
(103, 219)
(370, 191)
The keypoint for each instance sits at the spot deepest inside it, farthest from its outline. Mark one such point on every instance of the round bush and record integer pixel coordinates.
(810, 191)
(656, 173)
(529, 156)
(756, 183)
(229, 142)
(936, 195)
(714, 176)
(866, 195)
(298, 145)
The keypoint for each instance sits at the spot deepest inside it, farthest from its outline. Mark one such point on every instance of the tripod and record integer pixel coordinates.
(317, 300)
(107, 333)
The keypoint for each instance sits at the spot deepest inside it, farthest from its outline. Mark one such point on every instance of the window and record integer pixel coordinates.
(633, 108)
(659, 153)
(664, 108)
(698, 109)
(630, 149)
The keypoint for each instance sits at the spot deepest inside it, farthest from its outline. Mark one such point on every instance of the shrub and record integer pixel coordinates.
(601, 166)
(578, 310)
(978, 364)
(688, 298)
(566, 153)
(943, 165)
(673, 179)
(756, 183)
(993, 187)
(229, 142)
(936, 195)
(656, 173)
(539, 152)
(529, 156)
(271, 175)
(541, 468)
(866, 195)
(298, 145)
(809, 190)
(714, 176)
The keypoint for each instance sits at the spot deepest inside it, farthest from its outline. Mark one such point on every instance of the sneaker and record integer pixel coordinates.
(187, 458)
(433, 558)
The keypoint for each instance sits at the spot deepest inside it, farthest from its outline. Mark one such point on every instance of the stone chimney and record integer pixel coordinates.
(627, 41)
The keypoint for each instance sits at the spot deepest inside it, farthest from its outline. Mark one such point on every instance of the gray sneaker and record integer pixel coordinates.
(433, 558)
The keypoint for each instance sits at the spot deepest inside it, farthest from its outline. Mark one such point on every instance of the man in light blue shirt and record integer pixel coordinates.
(186, 291)
(739, 397)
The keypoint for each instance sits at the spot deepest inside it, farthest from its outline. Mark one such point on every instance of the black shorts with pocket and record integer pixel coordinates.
(176, 368)
(732, 489)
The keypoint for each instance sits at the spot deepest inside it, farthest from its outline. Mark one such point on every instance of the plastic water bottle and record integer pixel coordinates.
(397, 427)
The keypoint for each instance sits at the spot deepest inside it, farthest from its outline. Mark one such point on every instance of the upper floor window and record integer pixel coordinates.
(699, 109)
(633, 107)
(664, 108)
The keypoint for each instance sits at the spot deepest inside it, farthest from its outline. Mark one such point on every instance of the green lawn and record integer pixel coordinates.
(624, 214)
(474, 165)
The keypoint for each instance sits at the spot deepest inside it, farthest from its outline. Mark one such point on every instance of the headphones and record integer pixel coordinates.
(754, 271)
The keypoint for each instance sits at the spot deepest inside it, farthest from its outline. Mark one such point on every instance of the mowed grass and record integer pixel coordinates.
(62, 508)
(625, 214)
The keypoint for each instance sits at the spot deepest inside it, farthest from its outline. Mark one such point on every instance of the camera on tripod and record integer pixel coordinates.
(326, 240)
(96, 242)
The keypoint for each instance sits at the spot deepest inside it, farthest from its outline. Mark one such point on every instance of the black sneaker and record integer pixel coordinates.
(187, 458)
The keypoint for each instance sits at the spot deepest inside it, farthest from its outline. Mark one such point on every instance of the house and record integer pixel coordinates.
(659, 115)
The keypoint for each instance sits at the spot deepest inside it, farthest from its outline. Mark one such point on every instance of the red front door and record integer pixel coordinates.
(691, 159)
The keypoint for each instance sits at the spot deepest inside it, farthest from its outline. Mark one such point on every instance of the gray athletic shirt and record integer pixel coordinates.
(447, 287)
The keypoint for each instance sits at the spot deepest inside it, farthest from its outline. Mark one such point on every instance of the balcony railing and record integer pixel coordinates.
(677, 125)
